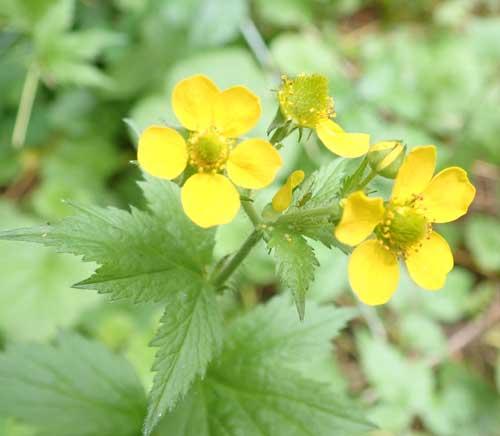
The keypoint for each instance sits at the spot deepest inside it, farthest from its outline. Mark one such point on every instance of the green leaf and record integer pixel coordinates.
(251, 401)
(295, 264)
(190, 333)
(403, 385)
(254, 390)
(215, 22)
(286, 340)
(57, 20)
(150, 256)
(74, 386)
(25, 14)
(36, 299)
(189, 418)
(324, 188)
(286, 13)
(482, 234)
(143, 256)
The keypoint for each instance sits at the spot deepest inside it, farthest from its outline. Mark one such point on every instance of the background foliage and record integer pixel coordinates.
(426, 72)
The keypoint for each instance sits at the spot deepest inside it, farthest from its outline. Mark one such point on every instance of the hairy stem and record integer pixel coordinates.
(368, 179)
(251, 212)
(25, 106)
(236, 259)
(311, 213)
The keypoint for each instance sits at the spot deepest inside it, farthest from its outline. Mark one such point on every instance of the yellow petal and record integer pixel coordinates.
(448, 195)
(162, 152)
(210, 199)
(342, 143)
(253, 164)
(415, 173)
(237, 110)
(360, 216)
(283, 198)
(429, 265)
(193, 100)
(373, 273)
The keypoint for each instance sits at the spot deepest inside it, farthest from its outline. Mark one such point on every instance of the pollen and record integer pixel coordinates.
(403, 228)
(208, 151)
(305, 100)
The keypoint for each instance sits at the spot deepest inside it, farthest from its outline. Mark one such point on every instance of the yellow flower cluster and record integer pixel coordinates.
(213, 160)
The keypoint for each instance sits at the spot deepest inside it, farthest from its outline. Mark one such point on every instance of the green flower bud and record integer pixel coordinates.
(386, 157)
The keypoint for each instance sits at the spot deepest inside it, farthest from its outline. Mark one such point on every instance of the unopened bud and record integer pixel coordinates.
(386, 157)
(283, 198)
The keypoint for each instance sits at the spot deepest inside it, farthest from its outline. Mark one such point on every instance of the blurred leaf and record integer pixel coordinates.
(36, 299)
(482, 235)
(423, 334)
(466, 404)
(57, 20)
(215, 22)
(98, 391)
(448, 304)
(298, 53)
(75, 171)
(25, 14)
(400, 384)
(285, 12)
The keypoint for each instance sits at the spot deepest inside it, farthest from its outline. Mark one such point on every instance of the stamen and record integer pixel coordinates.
(209, 151)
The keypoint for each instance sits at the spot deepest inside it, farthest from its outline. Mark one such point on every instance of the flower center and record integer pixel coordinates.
(402, 228)
(305, 99)
(209, 150)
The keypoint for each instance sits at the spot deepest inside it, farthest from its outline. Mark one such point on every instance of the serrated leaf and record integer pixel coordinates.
(324, 188)
(143, 256)
(150, 256)
(189, 418)
(75, 385)
(286, 340)
(253, 390)
(295, 264)
(248, 401)
(189, 335)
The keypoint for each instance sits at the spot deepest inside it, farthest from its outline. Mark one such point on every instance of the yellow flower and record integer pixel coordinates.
(305, 101)
(402, 227)
(282, 199)
(214, 120)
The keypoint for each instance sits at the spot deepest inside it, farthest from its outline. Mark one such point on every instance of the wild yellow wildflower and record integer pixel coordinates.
(402, 227)
(214, 119)
(305, 100)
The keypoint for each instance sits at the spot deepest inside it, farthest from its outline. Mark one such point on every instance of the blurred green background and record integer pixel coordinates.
(96, 72)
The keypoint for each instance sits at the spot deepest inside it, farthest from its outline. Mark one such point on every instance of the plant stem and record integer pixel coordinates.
(311, 213)
(236, 259)
(251, 212)
(368, 179)
(25, 106)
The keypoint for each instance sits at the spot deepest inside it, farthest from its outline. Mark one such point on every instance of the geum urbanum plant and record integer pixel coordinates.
(240, 376)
